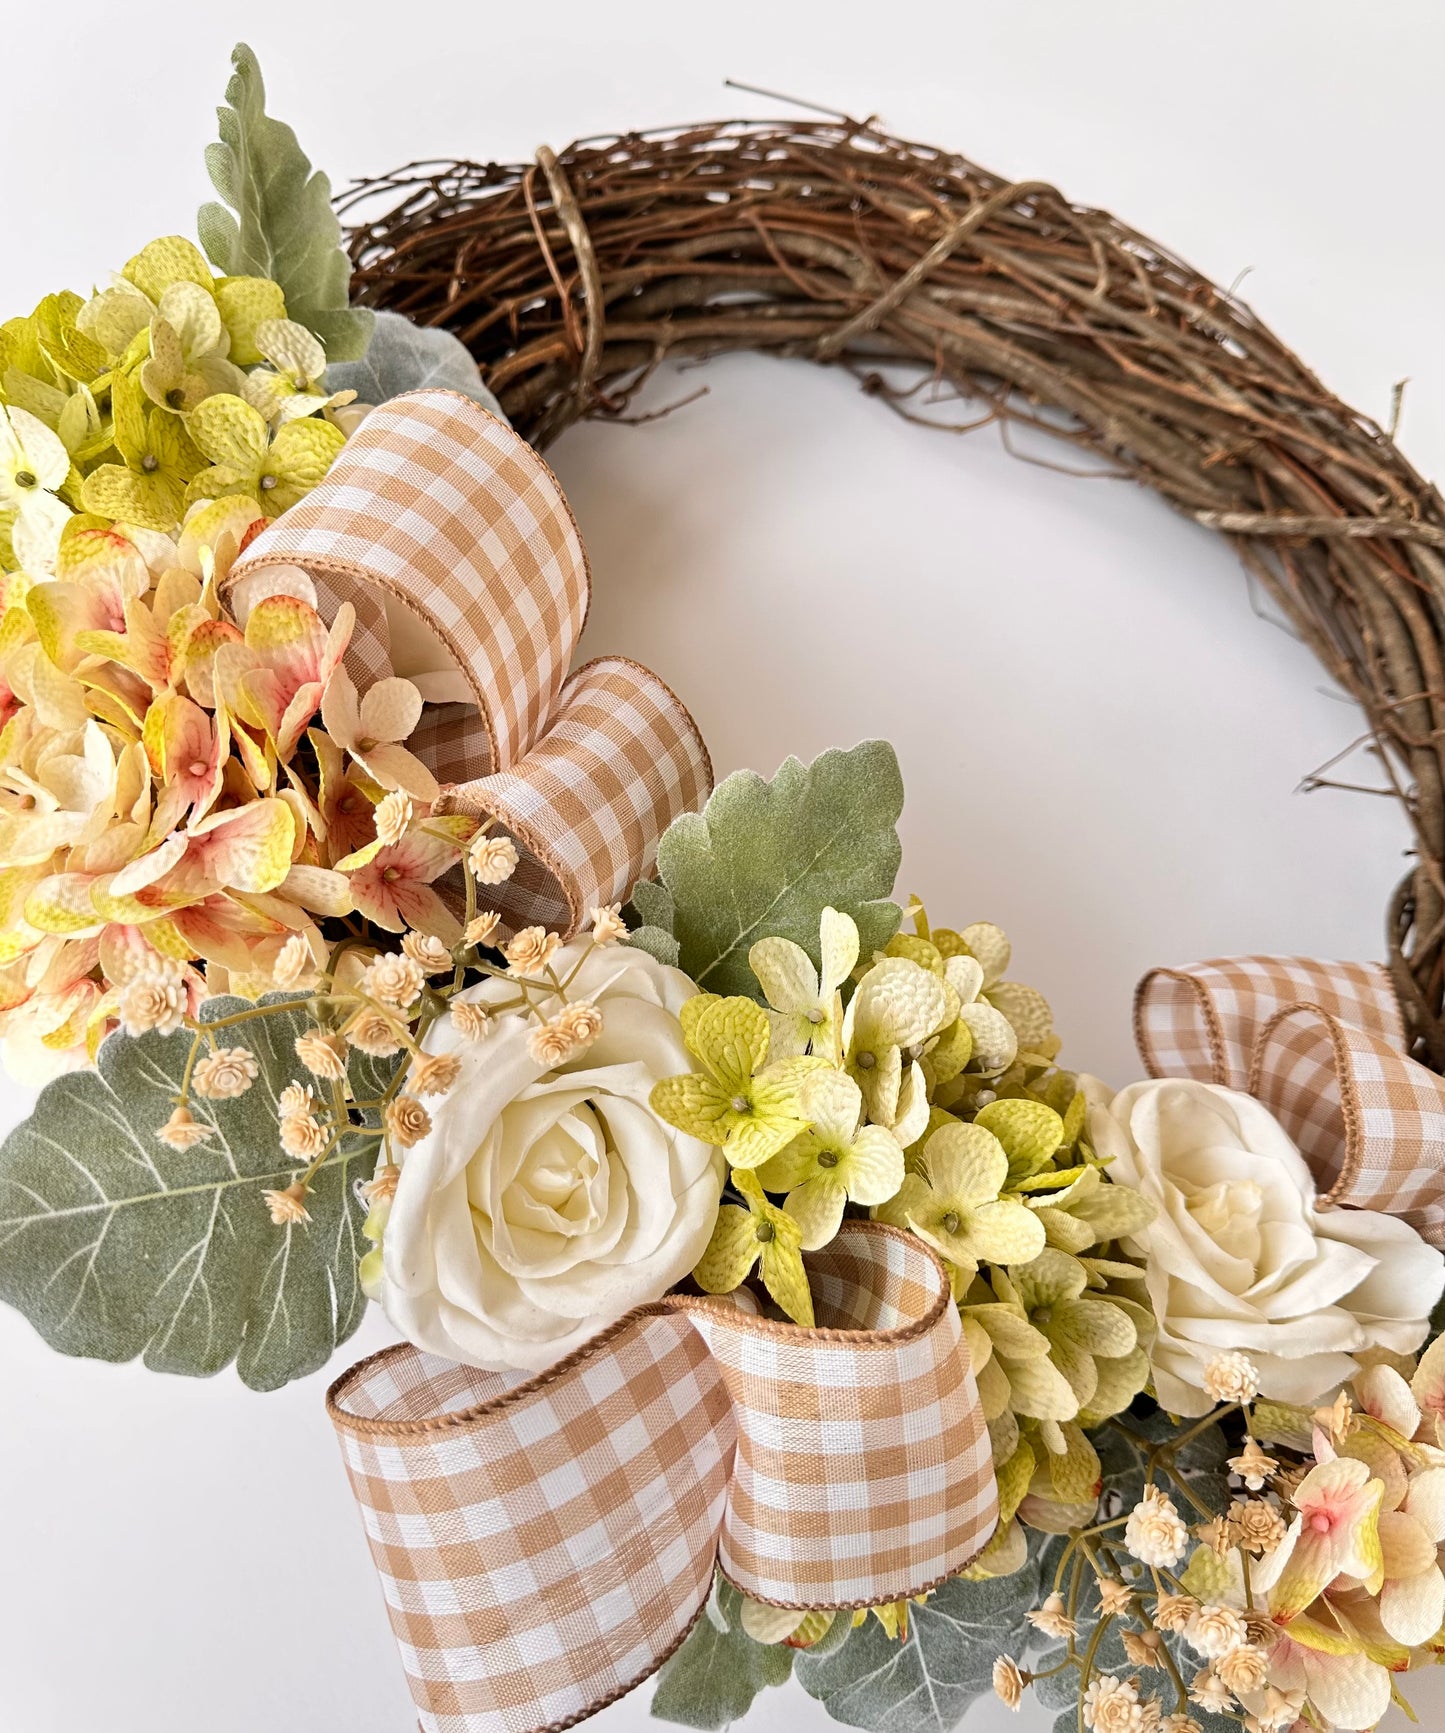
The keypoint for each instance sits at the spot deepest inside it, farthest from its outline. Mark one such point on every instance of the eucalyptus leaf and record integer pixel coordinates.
(926, 1682)
(115, 1245)
(765, 858)
(714, 1676)
(283, 225)
(406, 357)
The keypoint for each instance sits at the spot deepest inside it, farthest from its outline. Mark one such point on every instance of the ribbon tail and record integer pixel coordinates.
(587, 805)
(1369, 1121)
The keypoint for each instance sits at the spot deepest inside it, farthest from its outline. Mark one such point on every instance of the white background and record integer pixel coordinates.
(1100, 740)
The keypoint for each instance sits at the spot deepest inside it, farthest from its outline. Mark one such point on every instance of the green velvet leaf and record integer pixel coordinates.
(116, 1245)
(284, 227)
(653, 905)
(766, 858)
(406, 357)
(656, 943)
(714, 1676)
(924, 1684)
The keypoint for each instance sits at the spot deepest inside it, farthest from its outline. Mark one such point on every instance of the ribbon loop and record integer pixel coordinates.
(1321, 1044)
(545, 1544)
(453, 541)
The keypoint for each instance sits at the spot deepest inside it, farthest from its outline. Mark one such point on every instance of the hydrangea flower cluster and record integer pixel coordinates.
(173, 818)
(921, 1087)
(1297, 1603)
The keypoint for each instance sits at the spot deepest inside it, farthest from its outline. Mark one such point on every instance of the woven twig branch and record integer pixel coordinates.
(832, 242)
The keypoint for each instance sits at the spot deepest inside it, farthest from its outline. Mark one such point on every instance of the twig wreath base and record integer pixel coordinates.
(572, 278)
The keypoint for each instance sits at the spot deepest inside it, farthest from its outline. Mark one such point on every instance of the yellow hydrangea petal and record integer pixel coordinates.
(951, 1053)
(301, 454)
(1013, 1480)
(785, 973)
(965, 1163)
(995, 1045)
(229, 432)
(245, 304)
(291, 348)
(731, 1252)
(692, 1103)
(897, 1003)
(1028, 1131)
(817, 1207)
(193, 315)
(1026, 1008)
(838, 937)
(115, 317)
(692, 1009)
(171, 259)
(785, 1278)
(731, 1038)
(990, 945)
(753, 1141)
(872, 1169)
(1005, 1233)
(917, 950)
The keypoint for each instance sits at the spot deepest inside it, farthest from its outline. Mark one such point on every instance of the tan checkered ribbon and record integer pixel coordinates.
(443, 527)
(544, 1544)
(1322, 1046)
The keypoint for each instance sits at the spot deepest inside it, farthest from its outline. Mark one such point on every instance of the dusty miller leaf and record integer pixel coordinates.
(406, 357)
(766, 858)
(114, 1245)
(924, 1684)
(714, 1676)
(653, 905)
(656, 943)
(283, 227)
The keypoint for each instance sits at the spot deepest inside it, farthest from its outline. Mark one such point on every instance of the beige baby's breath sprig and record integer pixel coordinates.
(323, 1053)
(482, 928)
(531, 950)
(224, 1073)
(493, 859)
(288, 1206)
(433, 1073)
(428, 952)
(407, 1121)
(608, 925)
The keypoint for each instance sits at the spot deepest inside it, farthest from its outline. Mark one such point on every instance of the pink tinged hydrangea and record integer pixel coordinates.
(1412, 1601)
(246, 848)
(194, 748)
(277, 678)
(346, 799)
(371, 729)
(1346, 1687)
(1335, 1533)
(391, 884)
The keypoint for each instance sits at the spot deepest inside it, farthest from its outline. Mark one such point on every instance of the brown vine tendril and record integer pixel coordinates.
(829, 240)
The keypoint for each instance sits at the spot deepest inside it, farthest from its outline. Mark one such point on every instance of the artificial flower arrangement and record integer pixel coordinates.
(307, 1052)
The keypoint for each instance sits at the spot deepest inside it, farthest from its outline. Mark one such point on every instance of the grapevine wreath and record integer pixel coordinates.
(774, 1301)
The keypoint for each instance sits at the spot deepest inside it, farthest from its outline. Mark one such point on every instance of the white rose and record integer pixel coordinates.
(545, 1203)
(1241, 1256)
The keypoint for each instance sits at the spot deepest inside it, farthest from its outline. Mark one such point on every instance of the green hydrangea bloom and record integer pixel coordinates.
(761, 1235)
(738, 1101)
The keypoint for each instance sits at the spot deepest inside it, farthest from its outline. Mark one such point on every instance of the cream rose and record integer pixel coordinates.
(1240, 1255)
(546, 1201)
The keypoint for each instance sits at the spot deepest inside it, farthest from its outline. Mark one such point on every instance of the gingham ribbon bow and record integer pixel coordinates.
(545, 1544)
(454, 543)
(1322, 1046)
